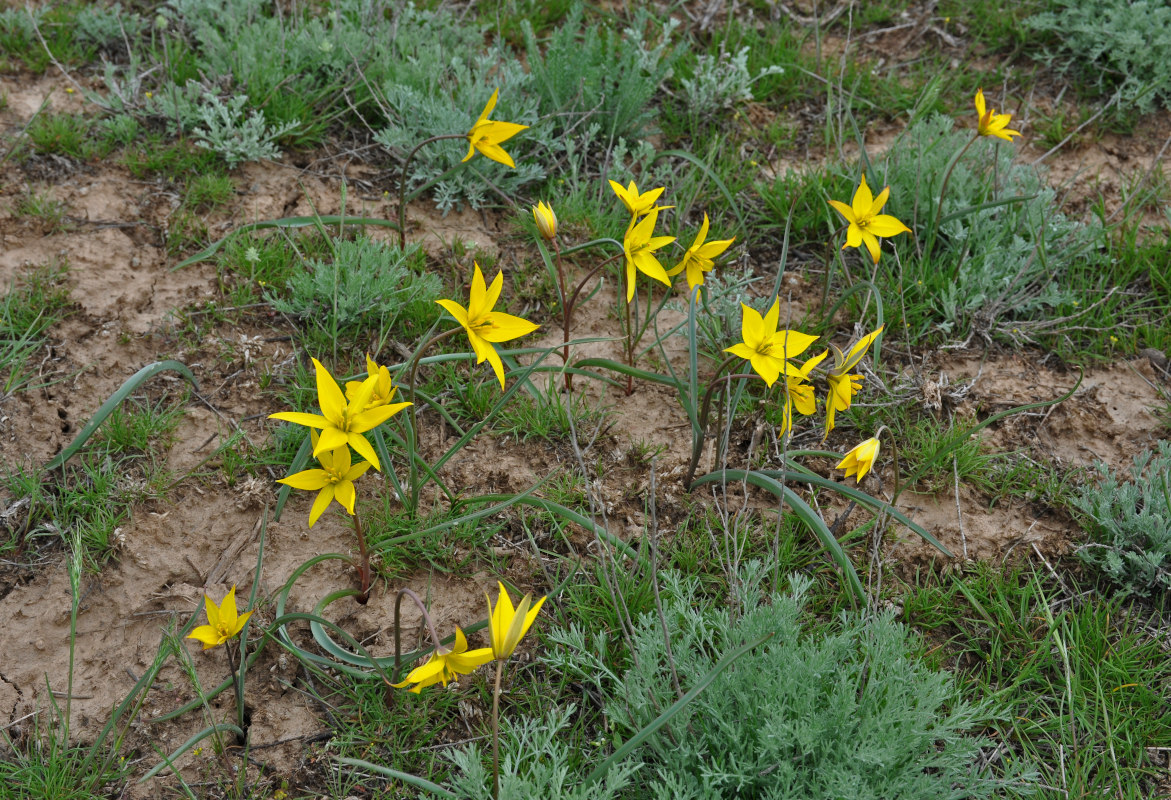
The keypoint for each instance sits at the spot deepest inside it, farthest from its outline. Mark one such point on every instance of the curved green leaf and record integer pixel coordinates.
(112, 402)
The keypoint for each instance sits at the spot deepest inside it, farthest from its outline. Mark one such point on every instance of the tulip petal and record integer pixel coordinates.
(320, 503)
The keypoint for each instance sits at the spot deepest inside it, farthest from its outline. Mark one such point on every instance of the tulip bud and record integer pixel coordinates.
(546, 220)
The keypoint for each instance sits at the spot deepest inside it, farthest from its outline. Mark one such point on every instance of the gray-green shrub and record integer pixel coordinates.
(1115, 45)
(365, 284)
(845, 711)
(1130, 521)
(992, 266)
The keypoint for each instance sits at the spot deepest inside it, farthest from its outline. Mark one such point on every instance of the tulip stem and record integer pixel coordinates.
(496, 731)
(942, 192)
(402, 184)
(398, 602)
(705, 412)
(565, 312)
(412, 436)
(364, 560)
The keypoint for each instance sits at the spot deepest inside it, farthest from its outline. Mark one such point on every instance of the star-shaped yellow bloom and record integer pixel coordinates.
(640, 245)
(384, 388)
(222, 622)
(447, 665)
(767, 348)
(991, 123)
(484, 326)
(343, 423)
(335, 480)
(699, 258)
(799, 393)
(638, 204)
(508, 625)
(858, 461)
(843, 385)
(866, 224)
(487, 134)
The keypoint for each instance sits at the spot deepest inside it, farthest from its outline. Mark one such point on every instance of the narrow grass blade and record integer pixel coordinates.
(187, 745)
(623, 369)
(860, 497)
(405, 777)
(635, 741)
(107, 408)
(286, 222)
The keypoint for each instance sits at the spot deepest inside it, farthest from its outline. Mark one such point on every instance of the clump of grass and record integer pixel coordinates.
(42, 208)
(28, 309)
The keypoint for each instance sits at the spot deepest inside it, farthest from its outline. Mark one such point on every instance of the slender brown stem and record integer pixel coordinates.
(398, 651)
(402, 184)
(496, 731)
(565, 313)
(364, 560)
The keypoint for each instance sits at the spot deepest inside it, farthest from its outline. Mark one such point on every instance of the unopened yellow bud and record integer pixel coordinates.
(546, 220)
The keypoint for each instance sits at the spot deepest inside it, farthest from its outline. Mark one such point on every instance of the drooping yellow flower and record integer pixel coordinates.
(222, 622)
(640, 245)
(799, 393)
(335, 479)
(843, 385)
(991, 123)
(699, 258)
(446, 665)
(343, 423)
(487, 134)
(858, 461)
(384, 388)
(546, 220)
(767, 348)
(508, 625)
(484, 326)
(638, 204)
(866, 224)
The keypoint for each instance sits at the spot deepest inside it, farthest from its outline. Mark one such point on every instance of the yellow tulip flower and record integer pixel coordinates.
(384, 388)
(858, 461)
(866, 224)
(638, 204)
(223, 622)
(487, 134)
(699, 258)
(639, 245)
(446, 665)
(484, 326)
(765, 347)
(843, 385)
(343, 423)
(799, 394)
(508, 625)
(991, 123)
(335, 480)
